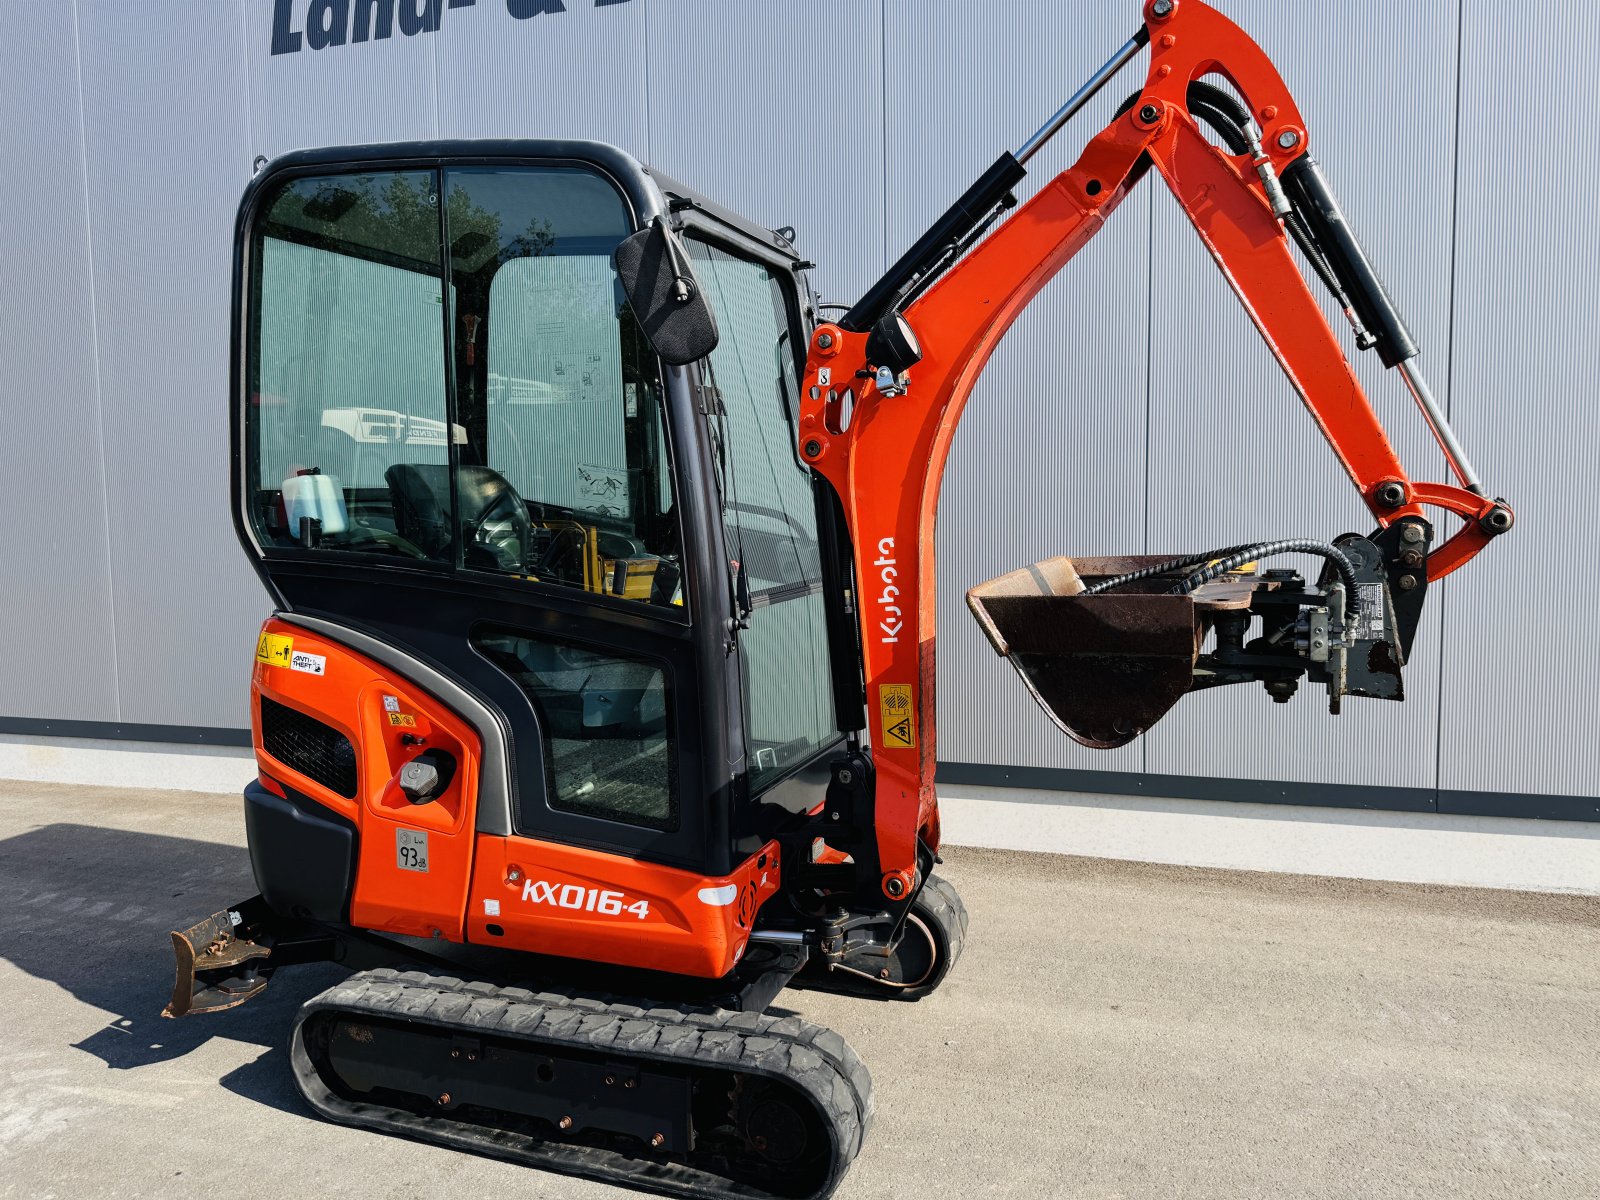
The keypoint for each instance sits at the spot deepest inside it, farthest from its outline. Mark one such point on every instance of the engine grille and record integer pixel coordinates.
(304, 743)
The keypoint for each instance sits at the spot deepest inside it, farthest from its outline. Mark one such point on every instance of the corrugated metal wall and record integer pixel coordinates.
(1132, 409)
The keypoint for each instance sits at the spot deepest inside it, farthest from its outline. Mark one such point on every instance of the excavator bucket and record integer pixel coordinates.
(1104, 667)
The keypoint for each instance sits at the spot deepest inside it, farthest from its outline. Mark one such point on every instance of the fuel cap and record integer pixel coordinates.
(426, 776)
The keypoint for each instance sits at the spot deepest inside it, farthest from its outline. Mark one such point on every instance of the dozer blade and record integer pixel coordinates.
(217, 968)
(1105, 667)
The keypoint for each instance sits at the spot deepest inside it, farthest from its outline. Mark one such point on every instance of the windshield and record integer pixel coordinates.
(443, 370)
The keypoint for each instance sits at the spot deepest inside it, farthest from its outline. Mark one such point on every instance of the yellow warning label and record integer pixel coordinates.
(899, 721)
(275, 649)
(405, 720)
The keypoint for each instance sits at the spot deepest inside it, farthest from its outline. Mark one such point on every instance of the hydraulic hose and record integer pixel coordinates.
(1238, 557)
(1301, 232)
(1161, 568)
(1215, 563)
(1232, 122)
(1223, 113)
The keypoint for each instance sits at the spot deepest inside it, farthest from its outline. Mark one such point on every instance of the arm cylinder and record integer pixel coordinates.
(1316, 203)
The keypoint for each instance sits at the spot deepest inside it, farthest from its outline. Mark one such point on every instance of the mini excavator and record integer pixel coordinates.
(597, 706)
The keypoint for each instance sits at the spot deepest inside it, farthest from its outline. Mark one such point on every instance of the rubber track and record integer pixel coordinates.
(816, 1060)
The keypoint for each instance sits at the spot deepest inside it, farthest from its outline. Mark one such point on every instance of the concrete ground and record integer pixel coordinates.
(1114, 1030)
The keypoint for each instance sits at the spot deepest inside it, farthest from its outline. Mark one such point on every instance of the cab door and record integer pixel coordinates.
(454, 442)
(770, 515)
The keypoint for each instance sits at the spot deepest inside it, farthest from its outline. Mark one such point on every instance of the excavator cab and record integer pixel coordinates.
(560, 685)
(462, 440)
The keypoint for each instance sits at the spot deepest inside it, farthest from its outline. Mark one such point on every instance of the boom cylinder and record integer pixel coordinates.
(1319, 207)
(981, 200)
(962, 217)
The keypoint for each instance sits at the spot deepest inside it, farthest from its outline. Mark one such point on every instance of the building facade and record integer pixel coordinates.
(1132, 410)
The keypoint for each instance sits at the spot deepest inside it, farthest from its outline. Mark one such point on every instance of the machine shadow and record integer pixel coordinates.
(89, 909)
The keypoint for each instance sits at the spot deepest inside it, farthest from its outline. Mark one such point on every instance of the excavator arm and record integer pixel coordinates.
(1108, 645)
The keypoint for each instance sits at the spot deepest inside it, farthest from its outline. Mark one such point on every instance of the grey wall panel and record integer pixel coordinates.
(55, 579)
(1049, 458)
(579, 74)
(168, 156)
(378, 90)
(1048, 461)
(742, 111)
(1518, 685)
(1234, 456)
(114, 327)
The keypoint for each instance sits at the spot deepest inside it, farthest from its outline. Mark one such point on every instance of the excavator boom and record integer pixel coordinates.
(1107, 654)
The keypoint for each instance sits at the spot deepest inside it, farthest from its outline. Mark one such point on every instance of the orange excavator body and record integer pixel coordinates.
(599, 695)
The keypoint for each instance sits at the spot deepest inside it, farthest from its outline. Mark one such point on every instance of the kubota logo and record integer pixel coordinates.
(888, 572)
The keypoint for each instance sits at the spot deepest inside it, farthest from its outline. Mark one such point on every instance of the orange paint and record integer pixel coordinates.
(680, 921)
(350, 695)
(585, 904)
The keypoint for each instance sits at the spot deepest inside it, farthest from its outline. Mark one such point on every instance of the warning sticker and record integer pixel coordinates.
(404, 720)
(899, 722)
(274, 648)
(603, 490)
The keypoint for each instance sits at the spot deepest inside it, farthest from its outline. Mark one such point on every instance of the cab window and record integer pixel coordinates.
(347, 398)
(607, 727)
(443, 370)
(770, 512)
(557, 391)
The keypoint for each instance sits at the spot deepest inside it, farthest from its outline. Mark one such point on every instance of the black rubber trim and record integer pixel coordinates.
(303, 855)
(1273, 791)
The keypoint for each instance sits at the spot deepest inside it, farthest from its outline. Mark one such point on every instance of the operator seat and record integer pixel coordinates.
(496, 531)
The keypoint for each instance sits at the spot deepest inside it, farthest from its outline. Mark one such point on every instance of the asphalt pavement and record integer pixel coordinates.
(1114, 1030)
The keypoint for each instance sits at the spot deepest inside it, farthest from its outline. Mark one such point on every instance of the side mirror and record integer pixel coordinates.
(661, 286)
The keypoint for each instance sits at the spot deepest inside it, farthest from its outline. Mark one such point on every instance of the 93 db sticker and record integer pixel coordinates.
(899, 722)
(411, 850)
